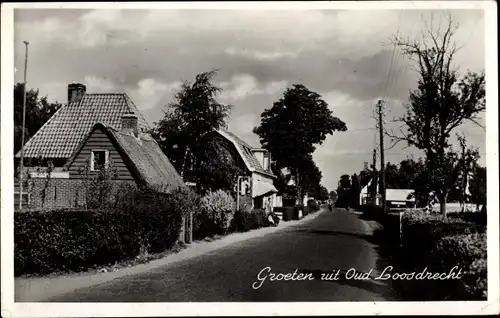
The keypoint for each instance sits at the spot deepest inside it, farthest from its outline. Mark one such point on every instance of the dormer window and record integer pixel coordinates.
(99, 159)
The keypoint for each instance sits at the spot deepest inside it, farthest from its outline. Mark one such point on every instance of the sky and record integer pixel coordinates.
(345, 56)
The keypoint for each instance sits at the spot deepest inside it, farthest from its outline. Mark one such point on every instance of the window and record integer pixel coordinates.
(258, 203)
(98, 160)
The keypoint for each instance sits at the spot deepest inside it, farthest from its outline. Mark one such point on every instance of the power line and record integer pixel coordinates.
(361, 129)
(384, 96)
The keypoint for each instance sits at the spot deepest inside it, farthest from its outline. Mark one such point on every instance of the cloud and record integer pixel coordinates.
(243, 125)
(260, 55)
(341, 54)
(149, 92)
(245, 85)
(97, 84)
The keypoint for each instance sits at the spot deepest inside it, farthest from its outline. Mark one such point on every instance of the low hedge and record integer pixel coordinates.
(438, 244)
(467, 253)
(473, 217)
(244, 221)
(371, 212)
(73, 240)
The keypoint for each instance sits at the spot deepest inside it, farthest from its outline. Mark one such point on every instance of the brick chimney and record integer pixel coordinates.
(130, 123)
(76, 92)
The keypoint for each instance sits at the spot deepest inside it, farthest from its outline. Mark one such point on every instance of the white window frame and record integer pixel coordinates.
(106, 159)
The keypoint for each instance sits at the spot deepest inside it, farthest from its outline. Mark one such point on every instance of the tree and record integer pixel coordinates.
(293, 127)
(408, 173)
(392, 177)
(322, 193)
(477, 186)
(185, 135)
(38, 112)
(344, 182)
(344, 191)
(354, 191)
(311, 176)
(441, 103)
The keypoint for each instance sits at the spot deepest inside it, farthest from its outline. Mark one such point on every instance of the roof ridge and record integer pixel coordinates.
(61, 133)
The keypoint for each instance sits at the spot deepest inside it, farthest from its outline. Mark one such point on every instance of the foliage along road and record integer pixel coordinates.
(335, 244)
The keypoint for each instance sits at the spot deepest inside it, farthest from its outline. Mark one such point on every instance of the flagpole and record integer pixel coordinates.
(24, 124)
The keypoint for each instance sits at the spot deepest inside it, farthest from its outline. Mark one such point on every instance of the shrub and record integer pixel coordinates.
(418, 225)
(421, 231)
(77, 239)
(68, 240)
(243, 221)
(219, 205)
(371, 212)
(185, 200)
(468, 253)
(260, 217)
(313, 206)
(473, 217)
(437, 243)
(214, 214)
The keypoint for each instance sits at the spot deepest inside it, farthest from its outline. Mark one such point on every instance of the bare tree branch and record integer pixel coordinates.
(478, 124)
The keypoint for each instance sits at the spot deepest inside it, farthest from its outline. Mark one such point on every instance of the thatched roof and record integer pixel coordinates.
(143, 156)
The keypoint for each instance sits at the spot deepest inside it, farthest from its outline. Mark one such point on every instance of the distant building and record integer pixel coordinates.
(365, 195)
(256, 164)
(396, 199)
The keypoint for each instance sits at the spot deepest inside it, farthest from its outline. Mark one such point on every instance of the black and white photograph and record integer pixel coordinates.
(249, 158)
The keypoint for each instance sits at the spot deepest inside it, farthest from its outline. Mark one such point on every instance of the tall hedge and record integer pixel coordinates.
(62, 240)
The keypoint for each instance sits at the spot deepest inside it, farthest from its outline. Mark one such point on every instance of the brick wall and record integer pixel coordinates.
(59, 193)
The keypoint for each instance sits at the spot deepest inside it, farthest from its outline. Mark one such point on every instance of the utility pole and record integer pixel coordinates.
(380, 105)
(374, 178)
(465, 174)
(24, 124)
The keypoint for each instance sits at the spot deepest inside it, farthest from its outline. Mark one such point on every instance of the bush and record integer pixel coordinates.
(243, 221)
(313, 206)
(219, 205)
(437, 243)
(468, 253)
(371, 212)
(421, 231)
(473, 217)
(419, 225)
(62, 240)
(214, 215)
